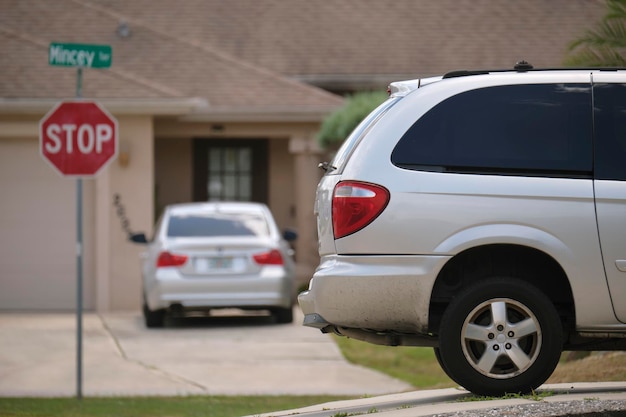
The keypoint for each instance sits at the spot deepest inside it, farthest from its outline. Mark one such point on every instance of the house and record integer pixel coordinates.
(215, 99)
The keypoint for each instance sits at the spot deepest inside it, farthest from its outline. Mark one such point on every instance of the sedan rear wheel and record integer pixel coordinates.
(283, 315)
(153, 318)
(500, 336)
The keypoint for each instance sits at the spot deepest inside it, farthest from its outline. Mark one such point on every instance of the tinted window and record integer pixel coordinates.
(610, 131)
(217, 225)
(357, 134)
(532, 129)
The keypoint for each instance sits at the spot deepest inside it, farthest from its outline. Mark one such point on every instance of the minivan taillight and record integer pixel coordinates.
(355, 205)
(272, 257)
(170, 259)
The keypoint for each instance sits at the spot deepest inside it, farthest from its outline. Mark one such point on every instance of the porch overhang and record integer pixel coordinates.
(256, 114)
(192, 109)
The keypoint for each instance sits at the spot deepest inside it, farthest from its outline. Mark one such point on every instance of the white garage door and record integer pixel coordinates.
(37, 232)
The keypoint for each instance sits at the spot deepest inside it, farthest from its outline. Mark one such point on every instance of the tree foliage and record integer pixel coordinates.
(338, 125)
(604, 46)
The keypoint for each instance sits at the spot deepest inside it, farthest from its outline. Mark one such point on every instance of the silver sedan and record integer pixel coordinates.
(215, 255)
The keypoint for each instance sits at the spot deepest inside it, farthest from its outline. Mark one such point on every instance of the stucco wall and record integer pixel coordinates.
(282, 199)
(173, 171)
(118, 260)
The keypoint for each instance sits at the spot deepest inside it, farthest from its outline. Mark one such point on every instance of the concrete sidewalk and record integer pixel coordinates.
(215, 356)
(588, 399)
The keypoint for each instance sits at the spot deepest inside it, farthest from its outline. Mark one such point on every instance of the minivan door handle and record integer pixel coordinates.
(621, 265)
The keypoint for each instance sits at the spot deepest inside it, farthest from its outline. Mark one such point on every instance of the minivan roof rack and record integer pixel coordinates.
(523, 66)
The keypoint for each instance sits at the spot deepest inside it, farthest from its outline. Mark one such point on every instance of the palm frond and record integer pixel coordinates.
(617, 9)
(605, 45)
(595, 57)
(609, 34)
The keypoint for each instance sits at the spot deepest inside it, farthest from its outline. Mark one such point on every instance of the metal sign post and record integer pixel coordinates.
(79, 264)
(97, 127)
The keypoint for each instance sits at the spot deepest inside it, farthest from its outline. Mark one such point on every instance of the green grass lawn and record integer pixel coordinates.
(195, 406)
(415, 365)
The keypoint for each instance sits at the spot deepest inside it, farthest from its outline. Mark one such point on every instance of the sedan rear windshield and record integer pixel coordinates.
(217, 225)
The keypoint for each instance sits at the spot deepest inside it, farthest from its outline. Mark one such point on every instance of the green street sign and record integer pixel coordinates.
(79, 55)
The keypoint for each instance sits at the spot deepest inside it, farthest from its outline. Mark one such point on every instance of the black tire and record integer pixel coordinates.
(441, 364)
(283, 315)
(513, 353)
(153, 318)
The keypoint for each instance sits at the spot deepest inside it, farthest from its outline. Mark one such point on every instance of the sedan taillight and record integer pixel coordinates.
(355, 205)
(170, 259)
(272, 257)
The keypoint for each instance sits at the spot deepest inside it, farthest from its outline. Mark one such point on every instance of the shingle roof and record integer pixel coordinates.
(151, 63)
(369, 37)
(237, 54)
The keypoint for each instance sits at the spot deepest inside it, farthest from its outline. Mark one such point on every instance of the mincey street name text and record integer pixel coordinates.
(79, 55)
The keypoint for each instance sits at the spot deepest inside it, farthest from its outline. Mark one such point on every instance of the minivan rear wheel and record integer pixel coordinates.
(499, 336)
(441, 364)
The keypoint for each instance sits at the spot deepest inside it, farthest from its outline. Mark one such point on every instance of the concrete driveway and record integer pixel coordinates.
(215, 356)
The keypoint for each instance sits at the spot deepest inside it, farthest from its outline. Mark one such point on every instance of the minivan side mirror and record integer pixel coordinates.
(138, 238)
(290, 235)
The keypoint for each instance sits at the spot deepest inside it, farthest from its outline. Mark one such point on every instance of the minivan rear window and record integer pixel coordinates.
(517, 129)
(357, 134)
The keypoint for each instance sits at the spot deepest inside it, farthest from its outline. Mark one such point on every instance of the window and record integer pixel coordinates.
(610, 131)
(515, 129)
(358, 133)
(230, 170)
(229, 174)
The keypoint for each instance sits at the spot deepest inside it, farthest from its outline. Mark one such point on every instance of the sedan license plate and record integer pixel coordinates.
(213, 264)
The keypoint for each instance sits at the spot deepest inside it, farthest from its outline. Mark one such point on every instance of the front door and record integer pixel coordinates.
(230, 170)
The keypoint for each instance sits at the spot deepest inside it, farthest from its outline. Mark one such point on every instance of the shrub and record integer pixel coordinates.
(338, 125)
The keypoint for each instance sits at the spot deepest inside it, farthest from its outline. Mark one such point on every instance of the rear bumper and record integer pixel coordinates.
(379, 293)
(271, 289)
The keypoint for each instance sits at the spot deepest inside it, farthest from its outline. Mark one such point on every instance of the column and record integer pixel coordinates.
(306, 157)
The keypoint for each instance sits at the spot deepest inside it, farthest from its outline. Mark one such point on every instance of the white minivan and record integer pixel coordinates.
(482, 213)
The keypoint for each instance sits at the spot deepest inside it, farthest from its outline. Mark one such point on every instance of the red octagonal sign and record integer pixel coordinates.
(78, 138)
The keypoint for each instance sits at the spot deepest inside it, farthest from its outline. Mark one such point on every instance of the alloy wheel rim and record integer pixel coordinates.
(501, 338)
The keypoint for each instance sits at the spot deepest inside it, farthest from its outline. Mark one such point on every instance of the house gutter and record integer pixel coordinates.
(116, 106)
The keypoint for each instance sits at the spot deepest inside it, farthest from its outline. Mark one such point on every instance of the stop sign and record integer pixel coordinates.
(78, 138)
